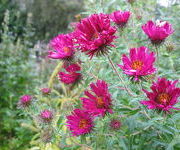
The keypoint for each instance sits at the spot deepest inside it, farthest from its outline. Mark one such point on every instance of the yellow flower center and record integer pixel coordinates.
(83, 123)
(137, 65)
(66, 49)
(100, 102)
(163, 98)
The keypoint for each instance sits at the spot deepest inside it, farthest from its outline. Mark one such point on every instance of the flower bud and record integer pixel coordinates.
(115, 124)
(25, 101)
(46, 116)
(46, 91)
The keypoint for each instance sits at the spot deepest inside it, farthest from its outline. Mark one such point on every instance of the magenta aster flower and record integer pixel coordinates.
(71, 75)
(115, 124)
(25, 101)
(94, 33)
(157, 32)
(140, 62)
(46, 116)
(46, 91)
(62, 46)
(120, 18)
(164, 95)
(98, 100)
(80, 122)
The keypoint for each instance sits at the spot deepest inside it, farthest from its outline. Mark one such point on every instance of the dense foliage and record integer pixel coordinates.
(124, 123)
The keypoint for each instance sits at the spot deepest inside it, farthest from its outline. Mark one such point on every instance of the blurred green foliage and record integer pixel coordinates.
(15, 77)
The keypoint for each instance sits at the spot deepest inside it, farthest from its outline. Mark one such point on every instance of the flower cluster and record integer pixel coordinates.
(94, 35)
(96, 104)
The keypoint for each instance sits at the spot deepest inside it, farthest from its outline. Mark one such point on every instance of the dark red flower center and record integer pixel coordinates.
(137, 65)
(83, 123)
(100, 102)
(94, 36)
(66, 49)
(163, 98)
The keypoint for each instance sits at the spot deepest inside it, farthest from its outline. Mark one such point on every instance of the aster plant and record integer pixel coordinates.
(107, 110)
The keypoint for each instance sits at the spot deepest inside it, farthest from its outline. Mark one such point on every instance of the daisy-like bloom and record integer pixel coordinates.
(62, 46)
(158, 31)
(164, 95)
(94, 33)
(120, 18)
(46, 116)
(25, 101)
(98, 100)
(140, 63)
(115, 124)
(46, 91)
(71, 75)
(80, 122)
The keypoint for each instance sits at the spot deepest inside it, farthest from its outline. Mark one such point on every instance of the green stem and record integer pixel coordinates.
(54, 74)
(157, 58)
(119, 76)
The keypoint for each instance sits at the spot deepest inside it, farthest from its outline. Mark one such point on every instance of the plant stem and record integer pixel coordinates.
(157, 53)
(119, 76)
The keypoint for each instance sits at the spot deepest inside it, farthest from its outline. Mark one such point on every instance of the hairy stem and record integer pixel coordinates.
(119, 76)
(157, 53)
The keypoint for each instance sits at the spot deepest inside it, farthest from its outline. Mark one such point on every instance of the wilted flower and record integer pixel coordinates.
(46, 116)
(131, 1)
(72, 74)
(94, 33)
(25, 101)
(46, 135)
(80, 122)
(120, 18)
(115, 124)
(164, 95)
(157, 32)
(140, 62)
(63, 47)
(46, 91)
(170, 47)
(98, 100)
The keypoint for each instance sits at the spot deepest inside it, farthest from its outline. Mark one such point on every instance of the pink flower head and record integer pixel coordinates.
(63, 47)
(120, 18)
(25, 101)
(164, 95)
(98, 100)
(94, 33)
(46, 91)
(71, 75)
(115, 124)
(80, 122)
(140, 62)
(157, 32)
(46, 116)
